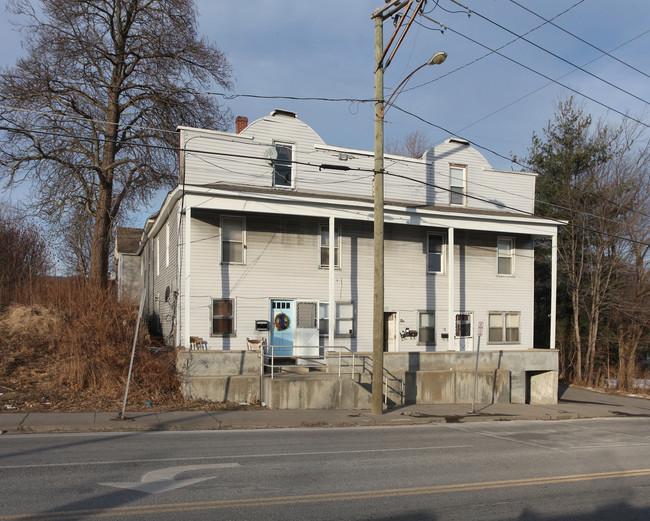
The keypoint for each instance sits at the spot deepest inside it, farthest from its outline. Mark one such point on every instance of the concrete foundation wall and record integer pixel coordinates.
(317, 393)
(429, 378)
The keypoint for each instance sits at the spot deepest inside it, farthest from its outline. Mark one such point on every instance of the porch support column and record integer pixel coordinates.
(187, 280)
(450, 290)
(553, 289)
(331, 313)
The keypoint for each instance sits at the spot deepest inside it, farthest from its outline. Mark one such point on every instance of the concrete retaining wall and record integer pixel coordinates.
(504, 376)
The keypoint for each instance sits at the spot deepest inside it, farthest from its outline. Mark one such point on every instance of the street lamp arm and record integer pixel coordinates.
(436, 59)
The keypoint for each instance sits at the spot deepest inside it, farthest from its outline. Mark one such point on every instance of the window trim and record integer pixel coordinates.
(443, 253)
(243, 239)
(420, 341)
(337, 238)
(464, 185)
(232, 317)
(511, 239)
(338, 318)
(292, 165)
(456, 324)
(167, 245)
(503, 315)
(158, 256)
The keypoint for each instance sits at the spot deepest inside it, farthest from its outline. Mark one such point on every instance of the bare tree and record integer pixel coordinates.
(89, 112)
(414, 144)
(23, 252)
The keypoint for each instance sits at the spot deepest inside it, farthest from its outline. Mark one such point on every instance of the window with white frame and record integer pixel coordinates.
(233, 240)
(345, 319)
(457, 184)
(324, 243)
(283, 166)
(427, 327)
(505, 255)
(167, 245)
(223, 316)
(435, 253)
(157, 256)
(463, 325)
(503, 327)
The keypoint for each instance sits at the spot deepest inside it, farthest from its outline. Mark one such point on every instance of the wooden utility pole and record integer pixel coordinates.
(378, 194)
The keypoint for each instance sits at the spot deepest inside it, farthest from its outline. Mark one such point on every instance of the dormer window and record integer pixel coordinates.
(283, 166)
(457, 184)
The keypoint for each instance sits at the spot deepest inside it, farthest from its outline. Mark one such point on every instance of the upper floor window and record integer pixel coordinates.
(435, 254)
(457, 184)
(283, 166)
(325, 246)
(505, 255)
(232, 240)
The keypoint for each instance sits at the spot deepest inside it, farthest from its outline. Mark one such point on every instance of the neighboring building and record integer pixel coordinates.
(271, 228)
(127, 262)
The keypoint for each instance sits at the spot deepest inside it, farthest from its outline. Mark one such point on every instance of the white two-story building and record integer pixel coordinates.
(269, 236)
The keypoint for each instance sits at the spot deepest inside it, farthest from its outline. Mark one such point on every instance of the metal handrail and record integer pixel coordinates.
(268, 352)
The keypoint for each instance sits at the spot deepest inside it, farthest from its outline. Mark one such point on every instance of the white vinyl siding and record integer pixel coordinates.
(280, 253)
(494, 189)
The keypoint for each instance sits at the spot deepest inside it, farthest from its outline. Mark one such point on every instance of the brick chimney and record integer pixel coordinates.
(241, 123)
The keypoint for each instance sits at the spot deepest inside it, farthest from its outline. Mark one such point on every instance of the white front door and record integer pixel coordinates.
(390, 332)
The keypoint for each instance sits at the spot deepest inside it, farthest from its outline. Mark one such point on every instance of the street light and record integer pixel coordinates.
(378, 195)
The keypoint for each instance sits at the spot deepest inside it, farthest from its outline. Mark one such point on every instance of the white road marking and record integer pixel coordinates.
(162, 480)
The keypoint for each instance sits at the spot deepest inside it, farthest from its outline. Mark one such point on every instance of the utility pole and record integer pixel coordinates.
(391, 8)
(378, 195)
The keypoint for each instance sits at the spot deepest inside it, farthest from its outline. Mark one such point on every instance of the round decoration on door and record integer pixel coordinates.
(281, 322)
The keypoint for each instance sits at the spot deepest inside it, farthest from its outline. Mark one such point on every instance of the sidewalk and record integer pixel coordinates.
(574, 403)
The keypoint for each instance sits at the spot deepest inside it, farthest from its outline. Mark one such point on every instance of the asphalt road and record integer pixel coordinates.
(538, 470)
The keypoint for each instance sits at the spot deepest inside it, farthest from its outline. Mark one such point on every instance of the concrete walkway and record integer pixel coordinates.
(574, 403)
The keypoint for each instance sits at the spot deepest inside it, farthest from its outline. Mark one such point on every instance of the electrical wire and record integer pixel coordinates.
(627, 116)
(487, 54)
(557, 56)
(581, 39)
(547, 84)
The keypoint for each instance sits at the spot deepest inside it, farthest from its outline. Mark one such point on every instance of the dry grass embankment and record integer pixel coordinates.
(67, 346)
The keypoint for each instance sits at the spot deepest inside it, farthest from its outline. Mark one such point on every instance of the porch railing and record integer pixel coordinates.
(348, 362)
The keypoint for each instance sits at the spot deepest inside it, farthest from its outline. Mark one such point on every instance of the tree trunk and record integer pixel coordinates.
(100, 249)
(576, 336)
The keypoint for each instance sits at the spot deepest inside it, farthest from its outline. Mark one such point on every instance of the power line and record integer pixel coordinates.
(487, 54)
(547, 84)
(555, 55)
(581, 39)
(627, 116)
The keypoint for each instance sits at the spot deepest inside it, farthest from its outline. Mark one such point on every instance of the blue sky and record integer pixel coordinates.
(325, 49)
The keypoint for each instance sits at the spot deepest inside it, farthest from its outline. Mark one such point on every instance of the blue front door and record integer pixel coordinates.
(282, 326)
